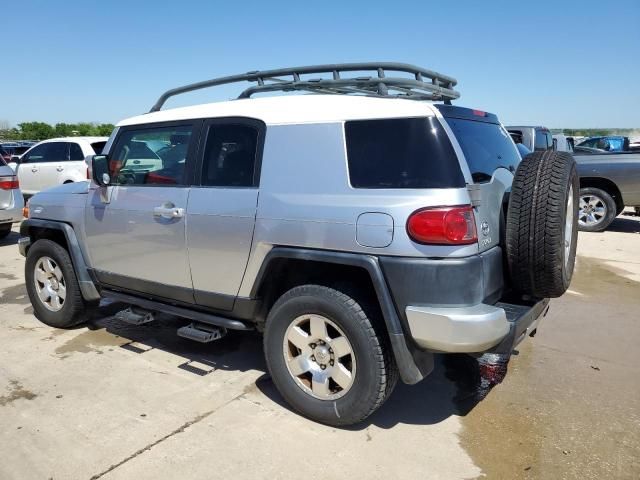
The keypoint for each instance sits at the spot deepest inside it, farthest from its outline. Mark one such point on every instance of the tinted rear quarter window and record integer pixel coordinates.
(486, 147)
(401, 153)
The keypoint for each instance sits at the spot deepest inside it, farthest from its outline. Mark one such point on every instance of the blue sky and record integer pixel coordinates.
(555, 63)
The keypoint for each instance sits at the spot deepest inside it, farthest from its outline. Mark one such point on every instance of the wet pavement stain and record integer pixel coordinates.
(89, 341)
(15, 295)
(555, 415)
(7, 276)
(16, 392)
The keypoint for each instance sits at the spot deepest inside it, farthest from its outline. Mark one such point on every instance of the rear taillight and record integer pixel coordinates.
(443, 225)
(9, 183)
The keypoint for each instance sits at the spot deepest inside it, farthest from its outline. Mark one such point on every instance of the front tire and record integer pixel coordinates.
(597, 209)
(325, 357)
(52, 285)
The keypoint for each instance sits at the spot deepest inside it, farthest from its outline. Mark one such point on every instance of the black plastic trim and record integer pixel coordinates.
(214, 300)
(87, 287)
(520, 318)
(446, 282)
(147, 287)
(413, 363)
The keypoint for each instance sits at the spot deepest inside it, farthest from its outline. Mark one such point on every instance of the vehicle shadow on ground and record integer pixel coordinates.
(454, 387)
(237, 351)
(625, 224)
(11, 239)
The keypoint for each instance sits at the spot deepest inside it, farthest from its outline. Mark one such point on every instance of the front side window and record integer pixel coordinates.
(151, 156)
(230, 156)
(401, 153)
(48, 152)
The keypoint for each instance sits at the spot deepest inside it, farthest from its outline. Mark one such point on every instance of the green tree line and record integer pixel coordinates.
(43, 131)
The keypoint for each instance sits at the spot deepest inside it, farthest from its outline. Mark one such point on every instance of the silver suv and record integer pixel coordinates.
(361, 228)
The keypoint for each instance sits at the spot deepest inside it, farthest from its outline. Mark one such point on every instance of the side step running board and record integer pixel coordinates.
(135, 316)
(200, 317)
(202, 333)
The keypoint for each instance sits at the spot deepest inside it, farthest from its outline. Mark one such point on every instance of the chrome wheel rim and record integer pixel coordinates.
(592, 210)
(568, 227)
(319, 357)
(50, 284)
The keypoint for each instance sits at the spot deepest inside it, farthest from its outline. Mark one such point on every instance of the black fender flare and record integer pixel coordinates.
(413, 364)
(87, 286)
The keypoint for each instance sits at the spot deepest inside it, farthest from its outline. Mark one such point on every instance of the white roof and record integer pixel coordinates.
(75, 139)
(294, 109)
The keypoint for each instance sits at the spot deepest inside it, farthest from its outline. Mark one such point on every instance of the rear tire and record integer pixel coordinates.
(597, 209)
(52, 286)
(542, 224)
(361, 374)
(5, 230)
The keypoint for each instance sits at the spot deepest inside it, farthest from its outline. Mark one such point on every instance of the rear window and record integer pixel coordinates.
(401, 153)
(486, 147)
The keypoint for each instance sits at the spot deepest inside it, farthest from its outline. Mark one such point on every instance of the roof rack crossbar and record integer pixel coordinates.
(425, 84)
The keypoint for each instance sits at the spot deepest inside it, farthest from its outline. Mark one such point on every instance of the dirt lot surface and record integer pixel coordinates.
(113, 401)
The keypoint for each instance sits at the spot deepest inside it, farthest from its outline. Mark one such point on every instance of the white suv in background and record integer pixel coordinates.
(55, 161)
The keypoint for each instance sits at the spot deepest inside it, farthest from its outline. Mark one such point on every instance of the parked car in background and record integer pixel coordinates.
(607, 143)
(15, 148)
(4, 155)
(536, 139)
(609, 181)
(11, 201)
(55, 162)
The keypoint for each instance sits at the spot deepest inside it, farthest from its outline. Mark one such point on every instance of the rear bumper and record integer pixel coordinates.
(479, 328)
(13, 214)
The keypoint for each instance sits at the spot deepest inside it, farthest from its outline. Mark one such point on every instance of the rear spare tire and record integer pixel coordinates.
(542, 224)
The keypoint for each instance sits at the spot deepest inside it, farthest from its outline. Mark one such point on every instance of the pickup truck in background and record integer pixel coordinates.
(609, 181)
(534, 138)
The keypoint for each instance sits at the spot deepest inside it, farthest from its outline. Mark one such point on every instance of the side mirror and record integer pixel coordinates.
(100, 170)
(15, 159)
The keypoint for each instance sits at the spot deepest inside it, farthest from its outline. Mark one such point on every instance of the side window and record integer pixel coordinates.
(230, 156)
(37, 154)
(154, 156)
(75, 152)
(56, 152)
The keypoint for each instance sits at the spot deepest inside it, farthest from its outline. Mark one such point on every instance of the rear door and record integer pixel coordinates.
(222, 209)
(51, 165)
(136, 228)
(492, 158)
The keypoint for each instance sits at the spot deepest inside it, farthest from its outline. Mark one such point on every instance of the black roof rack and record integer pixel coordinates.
(425, 84)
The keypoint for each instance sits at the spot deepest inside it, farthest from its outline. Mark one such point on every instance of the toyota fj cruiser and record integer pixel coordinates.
(361, 228)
